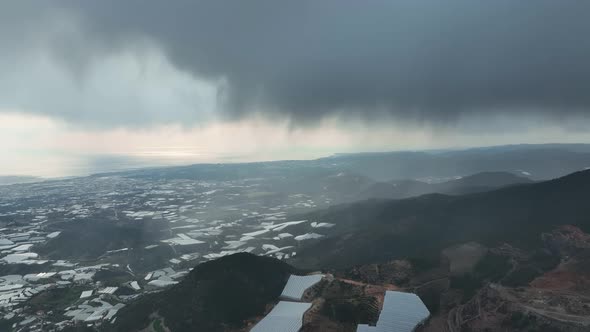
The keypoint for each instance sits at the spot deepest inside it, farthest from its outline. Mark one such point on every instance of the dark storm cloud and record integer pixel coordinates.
(424, 60)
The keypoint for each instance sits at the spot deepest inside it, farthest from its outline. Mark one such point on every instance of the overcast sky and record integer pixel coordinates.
(193, 81)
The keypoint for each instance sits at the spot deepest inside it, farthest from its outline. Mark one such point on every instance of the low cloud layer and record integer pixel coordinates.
(425, 61)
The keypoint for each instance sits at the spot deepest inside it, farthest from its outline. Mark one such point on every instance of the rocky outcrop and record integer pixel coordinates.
(567, 240)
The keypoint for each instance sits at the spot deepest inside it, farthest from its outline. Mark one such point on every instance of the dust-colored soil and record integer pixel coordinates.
(556, 280)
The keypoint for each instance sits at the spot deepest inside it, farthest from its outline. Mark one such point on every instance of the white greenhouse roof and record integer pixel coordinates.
(108, 290)
(402, 312)
(86, 294)
(284, 317)
(296, 286)
(162, 283)
(365, 328)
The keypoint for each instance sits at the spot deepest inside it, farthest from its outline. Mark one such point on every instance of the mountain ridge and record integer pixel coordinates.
(478, 182)
(375, 230)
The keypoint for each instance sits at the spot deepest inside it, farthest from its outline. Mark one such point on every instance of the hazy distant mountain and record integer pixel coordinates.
(539, 162)
(376, 230)
(484, 180)
(12, 179)
(469, 184)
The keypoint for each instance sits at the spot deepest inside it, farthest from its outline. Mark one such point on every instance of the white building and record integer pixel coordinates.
(284, 317)
(297, 285)
(402, 312)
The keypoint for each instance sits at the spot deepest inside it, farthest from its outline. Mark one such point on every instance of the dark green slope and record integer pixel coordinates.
(216, 295)
(373, 230)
